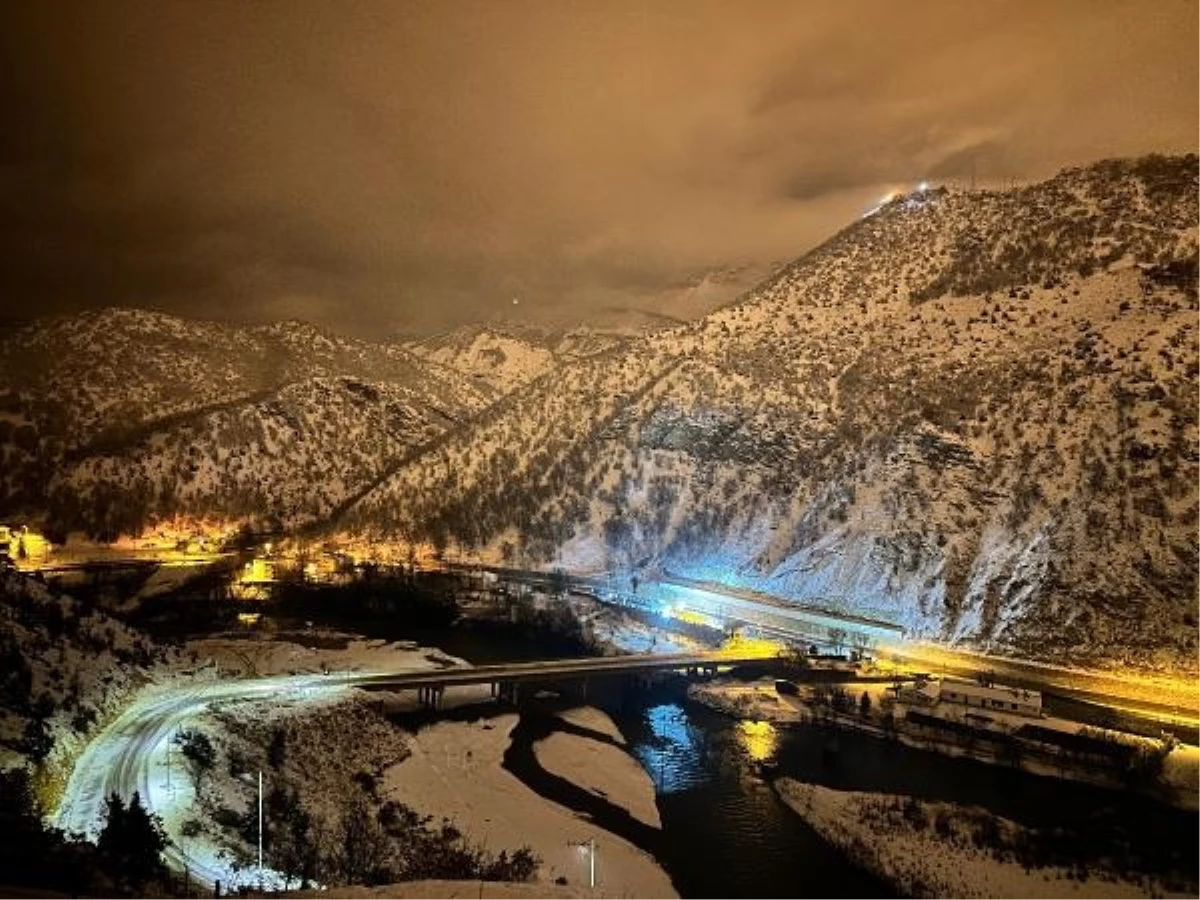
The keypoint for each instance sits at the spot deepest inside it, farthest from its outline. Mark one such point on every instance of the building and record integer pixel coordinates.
(996, 698)
(921, 693)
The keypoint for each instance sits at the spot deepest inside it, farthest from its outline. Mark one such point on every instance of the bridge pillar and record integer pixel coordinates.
(508, 692)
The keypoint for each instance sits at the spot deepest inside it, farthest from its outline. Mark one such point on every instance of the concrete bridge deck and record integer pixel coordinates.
(505, 679)
(561, 668)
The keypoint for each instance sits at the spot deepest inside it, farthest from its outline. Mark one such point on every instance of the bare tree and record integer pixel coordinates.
(363, 850)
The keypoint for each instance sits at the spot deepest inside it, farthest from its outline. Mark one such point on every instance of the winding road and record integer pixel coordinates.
(133, 753)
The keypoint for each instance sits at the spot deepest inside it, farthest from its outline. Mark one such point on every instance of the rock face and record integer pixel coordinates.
(971, 413)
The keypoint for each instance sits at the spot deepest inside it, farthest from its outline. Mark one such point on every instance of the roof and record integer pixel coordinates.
(995, 692)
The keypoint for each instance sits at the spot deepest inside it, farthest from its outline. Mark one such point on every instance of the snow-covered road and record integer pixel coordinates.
(133, 753)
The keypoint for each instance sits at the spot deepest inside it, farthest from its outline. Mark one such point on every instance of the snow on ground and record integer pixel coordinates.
(627, 634)
(594, 720)
(134, 752)
(451, 890)
(82, 667)
(920, 862)
(280, 687)
(602, 768)
(455, 771)
(313, 651)
(749, 700)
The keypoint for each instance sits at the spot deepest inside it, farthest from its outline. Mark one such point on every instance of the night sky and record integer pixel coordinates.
(392, 167)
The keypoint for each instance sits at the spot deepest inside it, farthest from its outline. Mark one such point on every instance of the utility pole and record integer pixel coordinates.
(260, 828)
(590, 846)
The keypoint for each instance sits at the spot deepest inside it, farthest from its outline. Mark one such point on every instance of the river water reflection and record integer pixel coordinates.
(726, 833)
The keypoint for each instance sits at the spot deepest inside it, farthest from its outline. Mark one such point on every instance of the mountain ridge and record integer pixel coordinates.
(970, 413)
(858, 428)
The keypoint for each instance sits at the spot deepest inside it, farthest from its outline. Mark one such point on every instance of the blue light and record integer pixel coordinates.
(672, 754)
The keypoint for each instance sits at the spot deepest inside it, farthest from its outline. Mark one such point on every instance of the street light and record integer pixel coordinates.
(590, 846)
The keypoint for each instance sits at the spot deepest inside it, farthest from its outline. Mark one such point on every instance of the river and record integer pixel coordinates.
(725, 832)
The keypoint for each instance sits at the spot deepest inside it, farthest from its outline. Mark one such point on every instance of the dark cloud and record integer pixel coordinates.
(382, 166)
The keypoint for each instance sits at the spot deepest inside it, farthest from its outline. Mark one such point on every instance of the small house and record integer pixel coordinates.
(995, 698)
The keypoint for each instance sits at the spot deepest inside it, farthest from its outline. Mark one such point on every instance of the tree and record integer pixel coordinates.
(363, 849)
(26, 842)
(277, 751)
(296, 842)
(131, 843)
(36, 741)
(198, 752)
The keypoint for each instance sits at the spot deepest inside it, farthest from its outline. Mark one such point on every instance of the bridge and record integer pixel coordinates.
(505, 679)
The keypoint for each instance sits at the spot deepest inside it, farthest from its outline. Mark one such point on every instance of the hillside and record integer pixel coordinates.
(66, 668)
(500, 359)
(110, 419)
(971, 413)
(974, 414)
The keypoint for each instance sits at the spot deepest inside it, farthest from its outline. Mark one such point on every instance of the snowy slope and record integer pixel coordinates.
(490, 356)
(108, 419)
(66, 667)
(970, 413)
(502, 358)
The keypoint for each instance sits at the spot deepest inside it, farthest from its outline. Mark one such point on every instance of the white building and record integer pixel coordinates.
(997, 698)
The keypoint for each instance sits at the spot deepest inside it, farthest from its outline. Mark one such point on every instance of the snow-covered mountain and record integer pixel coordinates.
(111, 419)
(972, 413)
(501, 358)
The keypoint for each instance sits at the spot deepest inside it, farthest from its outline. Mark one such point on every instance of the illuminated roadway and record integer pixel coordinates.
(1163, 698)
(1171, 699)
(132, 753)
